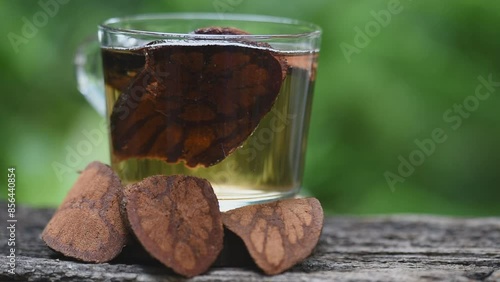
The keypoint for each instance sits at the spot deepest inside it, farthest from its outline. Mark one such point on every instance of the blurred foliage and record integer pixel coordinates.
(367, 110)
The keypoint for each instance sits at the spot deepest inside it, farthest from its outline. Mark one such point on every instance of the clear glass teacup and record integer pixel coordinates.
(228, 99)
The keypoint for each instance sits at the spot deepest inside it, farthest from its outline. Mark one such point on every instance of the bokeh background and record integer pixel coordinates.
(369, 107)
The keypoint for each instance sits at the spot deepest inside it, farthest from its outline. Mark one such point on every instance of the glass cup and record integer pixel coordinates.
(226, 99)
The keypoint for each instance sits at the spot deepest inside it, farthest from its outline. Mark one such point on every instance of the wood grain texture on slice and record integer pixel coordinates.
(88, 225)
(280, 234)
(177, 220)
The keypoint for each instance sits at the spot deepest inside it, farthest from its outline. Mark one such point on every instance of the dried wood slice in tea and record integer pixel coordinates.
(88, 225)
(177, 220)
(195, 103)
(236, 31)
(280, 234)
(220, 30)
(120, 66)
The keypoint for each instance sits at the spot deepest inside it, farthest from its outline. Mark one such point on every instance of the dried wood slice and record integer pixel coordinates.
(88, 225)
(177, 220)
(280, 234)
(195, 103)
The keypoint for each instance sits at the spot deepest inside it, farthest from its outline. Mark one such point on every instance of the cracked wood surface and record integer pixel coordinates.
(379, 248)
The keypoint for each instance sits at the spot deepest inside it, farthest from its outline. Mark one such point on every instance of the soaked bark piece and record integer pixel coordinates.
(236, 31)
(221, 30)
(280, 234)
(195, 104)
(121, 66)
(88, 226)
(177, 220)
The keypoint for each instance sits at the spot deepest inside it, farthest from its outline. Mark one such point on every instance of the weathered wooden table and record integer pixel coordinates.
(387, 248)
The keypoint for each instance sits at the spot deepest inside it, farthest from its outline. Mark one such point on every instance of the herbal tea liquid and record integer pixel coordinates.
(269, 164)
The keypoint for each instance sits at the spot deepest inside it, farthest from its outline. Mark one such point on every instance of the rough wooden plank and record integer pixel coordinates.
(391, 248)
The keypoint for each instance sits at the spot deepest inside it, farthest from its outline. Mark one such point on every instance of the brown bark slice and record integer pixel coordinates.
(177, 220)
(195, 104)
(280, 234)
(88, 225)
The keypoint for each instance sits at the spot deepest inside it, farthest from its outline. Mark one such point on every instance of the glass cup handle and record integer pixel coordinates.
(89, 74)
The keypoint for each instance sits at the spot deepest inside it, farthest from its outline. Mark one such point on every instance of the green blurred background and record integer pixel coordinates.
(369, 107)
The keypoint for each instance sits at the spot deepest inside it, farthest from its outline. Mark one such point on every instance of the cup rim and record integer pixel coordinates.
(314, 30)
